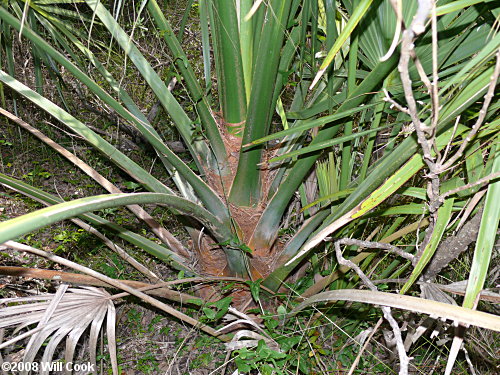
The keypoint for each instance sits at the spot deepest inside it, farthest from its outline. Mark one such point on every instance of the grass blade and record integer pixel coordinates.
(356, 16)
(486, 237)
(444, 216)
(306, 125)
(326, 144)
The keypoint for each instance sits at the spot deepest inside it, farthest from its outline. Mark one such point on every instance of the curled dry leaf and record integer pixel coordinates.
(245, 338)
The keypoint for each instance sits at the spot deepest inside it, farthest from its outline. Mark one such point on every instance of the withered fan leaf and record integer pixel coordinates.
(65, 314)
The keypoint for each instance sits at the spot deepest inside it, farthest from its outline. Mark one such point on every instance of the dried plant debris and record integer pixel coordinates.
(66, 314)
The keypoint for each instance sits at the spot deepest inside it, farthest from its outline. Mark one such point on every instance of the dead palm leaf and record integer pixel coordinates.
(66, 314)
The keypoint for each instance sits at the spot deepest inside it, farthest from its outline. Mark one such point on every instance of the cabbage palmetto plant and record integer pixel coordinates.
(321, 78)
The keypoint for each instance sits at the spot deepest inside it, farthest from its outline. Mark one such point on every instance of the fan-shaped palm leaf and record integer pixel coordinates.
(65, 314)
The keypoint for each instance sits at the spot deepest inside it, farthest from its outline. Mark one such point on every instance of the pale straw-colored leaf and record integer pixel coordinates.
(64, 315)
(415, 304)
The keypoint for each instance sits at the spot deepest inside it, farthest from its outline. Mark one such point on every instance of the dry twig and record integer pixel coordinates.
(426, 135)
(404, 360)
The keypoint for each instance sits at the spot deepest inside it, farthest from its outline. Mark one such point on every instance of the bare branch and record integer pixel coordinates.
(434, 92)
(418, 24)
(395, 104)
(481, 181)
(421, 71)
(407, 49)
(482, 114)
(375, 245)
